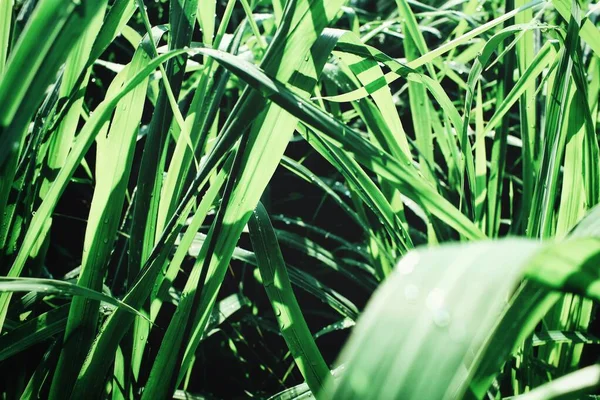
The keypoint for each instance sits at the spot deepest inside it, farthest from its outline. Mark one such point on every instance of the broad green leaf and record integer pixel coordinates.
(414, 338)
(452, 294)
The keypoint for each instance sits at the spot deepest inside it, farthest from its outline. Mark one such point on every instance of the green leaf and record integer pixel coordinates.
(115, 155)
(289, 316)
(9, 284)
(84, 140)
(34, 331)
(41, 50)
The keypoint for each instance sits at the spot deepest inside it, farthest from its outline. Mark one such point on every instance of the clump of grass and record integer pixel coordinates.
(441, 158)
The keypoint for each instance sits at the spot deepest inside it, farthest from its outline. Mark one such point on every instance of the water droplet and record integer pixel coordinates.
(277, 312)
(105, 240)
(408, 262)
(441, 317)
(105, 221)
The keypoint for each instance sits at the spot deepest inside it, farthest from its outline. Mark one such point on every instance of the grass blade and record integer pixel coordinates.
(281, 295)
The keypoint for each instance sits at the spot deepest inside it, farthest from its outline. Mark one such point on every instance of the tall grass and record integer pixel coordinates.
(166, 165)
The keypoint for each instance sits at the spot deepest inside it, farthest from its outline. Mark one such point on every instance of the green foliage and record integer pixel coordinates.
(202, 188)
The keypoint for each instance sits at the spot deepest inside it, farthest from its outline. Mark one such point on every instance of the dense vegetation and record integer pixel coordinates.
(202, 198)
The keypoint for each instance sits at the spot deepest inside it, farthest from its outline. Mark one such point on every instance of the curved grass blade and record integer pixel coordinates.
(452, 294)
(9, 284)
(571, 386)
(341, 135)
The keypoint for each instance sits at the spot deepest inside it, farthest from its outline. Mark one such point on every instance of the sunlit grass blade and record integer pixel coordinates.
(246, 190)
(539, 223)
(59, 287)
(525, 53)
(367, 72)
(203, 109)
(149, 183)
(287, 311)
(84, 140)
(6, 20)
(571, 386)
(34, 62)
(589, 32)
(163, 283)
(340, 134)
(115, 155)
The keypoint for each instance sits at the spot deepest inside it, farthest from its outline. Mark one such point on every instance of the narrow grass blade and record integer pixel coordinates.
(34, 63)
(248, 186)
(342, 135)
(115, 155)
(6, 11)
(59, 287)
(84, 140)
(540, 219)
(571, 386)
(281, 295)
(33, 331)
